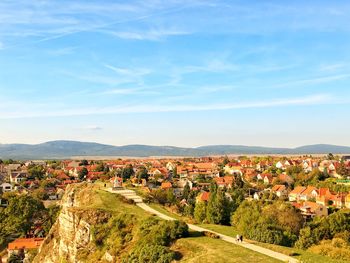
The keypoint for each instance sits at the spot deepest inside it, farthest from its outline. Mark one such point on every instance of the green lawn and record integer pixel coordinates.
(209, 250)
(112, 202)
(163, 210)
(302, 255)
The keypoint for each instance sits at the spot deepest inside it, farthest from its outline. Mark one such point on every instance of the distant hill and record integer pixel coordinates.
(67, 149)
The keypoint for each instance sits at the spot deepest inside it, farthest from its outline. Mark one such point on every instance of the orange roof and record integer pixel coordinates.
(166, 185)
(25, 243)
(278, 187)
(309, 190)
(204, 196)
(206, 166)
(298, 190)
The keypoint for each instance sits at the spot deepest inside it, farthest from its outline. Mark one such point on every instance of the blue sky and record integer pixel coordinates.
(185, 73)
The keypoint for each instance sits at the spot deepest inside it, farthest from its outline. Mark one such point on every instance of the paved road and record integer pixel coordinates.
(138, 200)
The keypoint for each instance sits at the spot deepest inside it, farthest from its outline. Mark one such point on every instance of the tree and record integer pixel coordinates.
(142, 173)
(36, 172)
(14, 258)
(276, 223)
(20, 214)
(225, 161)
(83, 163)
(330, 156)
(128, 172)
(186, 191)
(200, 212)
(83, 173)
(219, 208)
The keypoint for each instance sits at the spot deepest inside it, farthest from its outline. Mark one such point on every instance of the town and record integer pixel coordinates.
(215, 190)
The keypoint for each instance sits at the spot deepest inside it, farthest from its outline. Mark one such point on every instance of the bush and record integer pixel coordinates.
(154, 236)
(210, 234)
(336, 248)
(150, 253)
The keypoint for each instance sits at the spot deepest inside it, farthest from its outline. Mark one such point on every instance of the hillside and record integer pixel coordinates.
(67, 149)
(97, 226)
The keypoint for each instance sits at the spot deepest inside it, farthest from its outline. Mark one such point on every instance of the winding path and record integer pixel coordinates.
(129, 194)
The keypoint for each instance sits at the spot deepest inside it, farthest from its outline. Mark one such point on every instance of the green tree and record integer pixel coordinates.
(84, 163)
(20, 214)
(83, 173)
(36, 172)
(200, 212)
(142, 173)
(127, 172)
(186, 191)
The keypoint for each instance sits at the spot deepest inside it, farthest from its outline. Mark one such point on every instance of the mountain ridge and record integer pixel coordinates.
(61, 149)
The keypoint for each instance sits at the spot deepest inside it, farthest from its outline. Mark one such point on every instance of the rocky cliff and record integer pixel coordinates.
(70, 237)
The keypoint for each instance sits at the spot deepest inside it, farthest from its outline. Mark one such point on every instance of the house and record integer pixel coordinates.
(337, 200)
(279, 165)
(327, 198)
(166, 185)
(311, 209)
(267, 178)
(203, 197)
(285, 178)
(347, 201)
(307, 165)
(18, 177)
(226, 181)
(170, 166)
(23, 245)
(13, 167)
(232, 168)
(182, 182)
(309, 193)
(6, 187)
(295, 194)
(161, 172)
(323, 196)
(280, 190)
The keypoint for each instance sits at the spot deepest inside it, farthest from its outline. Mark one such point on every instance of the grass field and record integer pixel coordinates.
(302, 255)
(209, 250)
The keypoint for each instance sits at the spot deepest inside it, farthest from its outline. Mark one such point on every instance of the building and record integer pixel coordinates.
(280, 190)
(6, 187)
(296, 193)
(21, 246)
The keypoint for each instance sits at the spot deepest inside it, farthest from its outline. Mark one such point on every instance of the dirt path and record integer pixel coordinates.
(138, 200)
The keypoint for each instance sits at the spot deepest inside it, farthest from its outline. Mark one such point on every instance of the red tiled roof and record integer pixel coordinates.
(25, 243)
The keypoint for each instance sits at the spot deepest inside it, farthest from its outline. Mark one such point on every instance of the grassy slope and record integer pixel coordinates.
(209, 250)
(194, 249)
(304, 256)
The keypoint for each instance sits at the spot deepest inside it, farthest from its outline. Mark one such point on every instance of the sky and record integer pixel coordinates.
(182, 73)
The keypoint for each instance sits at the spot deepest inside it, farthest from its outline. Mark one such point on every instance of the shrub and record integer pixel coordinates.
(150, 253)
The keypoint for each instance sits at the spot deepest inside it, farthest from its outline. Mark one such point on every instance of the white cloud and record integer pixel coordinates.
(312, 81)
(129, 71)
(151, 35)
(331, 67)
(92, 128)
(153, 108)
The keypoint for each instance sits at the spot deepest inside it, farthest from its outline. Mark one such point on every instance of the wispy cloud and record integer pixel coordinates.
(130, 91)
(151, 35)
(313, 81)
(331, 67)
(129, 71)
(152, 108)
(62, 51)
(92, 128)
